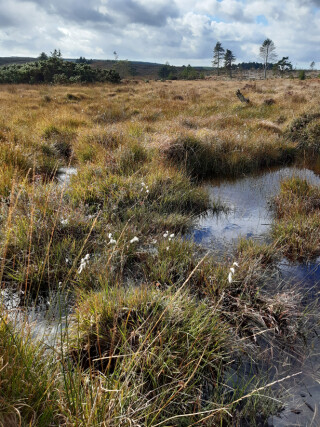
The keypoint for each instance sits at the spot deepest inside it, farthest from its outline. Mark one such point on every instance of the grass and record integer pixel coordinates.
(27, 395)
(297, 225)
(156, 323)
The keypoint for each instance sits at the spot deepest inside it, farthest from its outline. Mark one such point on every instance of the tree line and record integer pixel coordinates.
(171, 72)
(225, 59)
(53, 69)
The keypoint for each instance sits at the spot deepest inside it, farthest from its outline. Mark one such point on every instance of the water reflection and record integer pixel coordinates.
(250, 216)
(64, 175)
(248, 200)
(45, 319)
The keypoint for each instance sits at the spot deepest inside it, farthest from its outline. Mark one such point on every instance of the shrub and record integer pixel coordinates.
(56, 70)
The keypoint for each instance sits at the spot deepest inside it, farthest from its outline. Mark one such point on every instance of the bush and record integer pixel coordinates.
(302, 75)
(56, 70)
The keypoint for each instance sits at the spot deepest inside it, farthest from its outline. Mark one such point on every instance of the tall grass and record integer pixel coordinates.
(297, 225)
(155, 329)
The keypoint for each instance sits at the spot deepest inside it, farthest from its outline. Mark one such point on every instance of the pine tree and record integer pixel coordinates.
(218, 52)
(267, 54)
(283, 65)
(229, 58)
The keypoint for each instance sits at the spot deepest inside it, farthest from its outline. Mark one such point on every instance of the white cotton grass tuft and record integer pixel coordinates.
(135, 239)
(232, 271)
(83, 263)
(170, 237)
(144, 187)
(112, 241)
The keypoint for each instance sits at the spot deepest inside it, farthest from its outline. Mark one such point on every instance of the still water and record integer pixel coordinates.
(250, 216)
(248, 200)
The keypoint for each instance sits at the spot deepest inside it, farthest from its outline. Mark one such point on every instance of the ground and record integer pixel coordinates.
(155, 322)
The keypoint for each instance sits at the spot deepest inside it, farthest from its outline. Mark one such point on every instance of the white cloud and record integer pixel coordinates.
(181, 31)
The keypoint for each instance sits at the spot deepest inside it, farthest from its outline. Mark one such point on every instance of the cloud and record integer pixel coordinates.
(181, 31)
(153, 13)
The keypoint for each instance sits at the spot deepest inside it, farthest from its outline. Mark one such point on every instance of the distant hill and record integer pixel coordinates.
(139, 68)
(129, 69)
(9, 60)
(146, 70)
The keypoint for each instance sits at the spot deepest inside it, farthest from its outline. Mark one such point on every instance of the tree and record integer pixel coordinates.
(164, 71)
(218, 52)
(229, 58)
(267, 54)
(283, 65)
(56, 53)
(83, 60)
(43, 56)
(312, 65)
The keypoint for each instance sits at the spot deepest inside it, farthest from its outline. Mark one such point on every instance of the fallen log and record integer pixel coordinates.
(242, 98)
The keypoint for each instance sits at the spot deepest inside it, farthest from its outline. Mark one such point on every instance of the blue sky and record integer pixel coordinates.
(178, 31)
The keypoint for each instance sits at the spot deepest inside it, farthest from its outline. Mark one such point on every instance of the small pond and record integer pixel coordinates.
(248, 200)
(250, 216)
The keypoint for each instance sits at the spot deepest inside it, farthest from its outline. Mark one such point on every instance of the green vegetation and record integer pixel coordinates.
(55, 70)
(183, 73)
(297, 229)
(209, 158)
(27, 395)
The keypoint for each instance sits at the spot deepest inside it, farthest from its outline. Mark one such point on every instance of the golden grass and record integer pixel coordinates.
(50, 123)
(140, 150)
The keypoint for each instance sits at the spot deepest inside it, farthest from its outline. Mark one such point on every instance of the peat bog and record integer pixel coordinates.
(159, 250)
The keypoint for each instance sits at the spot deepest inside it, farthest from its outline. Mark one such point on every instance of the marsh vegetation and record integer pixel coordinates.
(101, 188)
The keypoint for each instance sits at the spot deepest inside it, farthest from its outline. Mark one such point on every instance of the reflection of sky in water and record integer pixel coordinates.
(46, 319)
(64, 175)
(250, 217)
(248, 199)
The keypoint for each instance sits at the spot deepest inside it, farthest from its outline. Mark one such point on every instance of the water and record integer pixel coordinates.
(248, 200)
(64, 175)
(45, 320)
(250, 216)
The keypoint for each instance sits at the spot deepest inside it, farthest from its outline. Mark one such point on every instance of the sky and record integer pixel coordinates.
(177, 31)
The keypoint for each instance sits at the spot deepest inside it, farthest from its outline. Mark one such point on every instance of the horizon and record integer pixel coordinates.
(294, 68)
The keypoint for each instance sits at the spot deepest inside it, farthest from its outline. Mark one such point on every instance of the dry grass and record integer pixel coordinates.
(113, 238)
(86, 123)
(297, 225)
